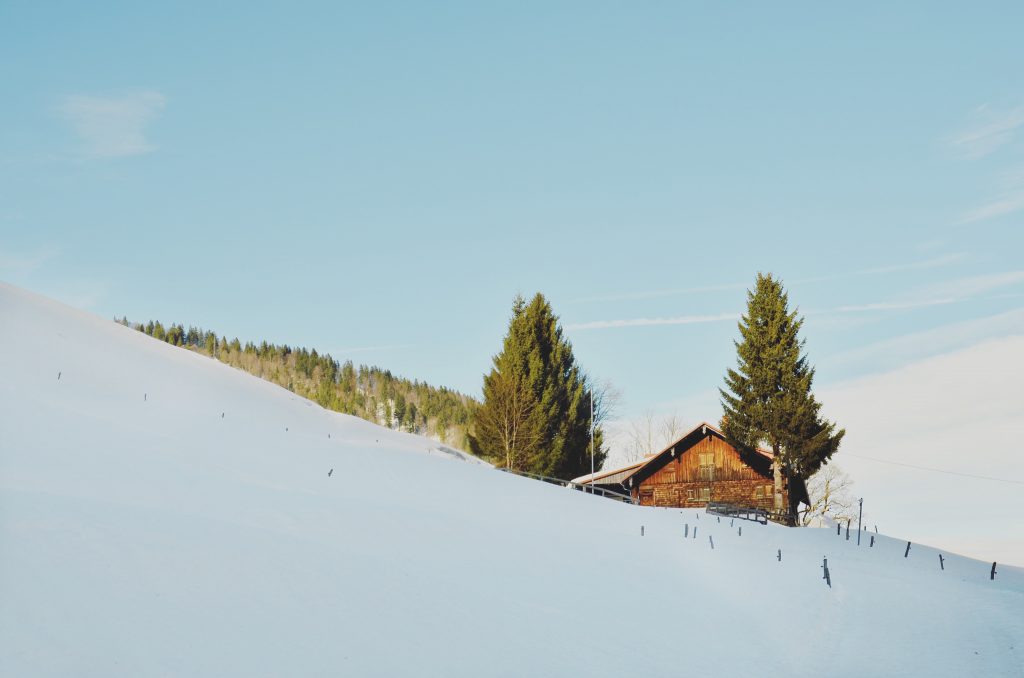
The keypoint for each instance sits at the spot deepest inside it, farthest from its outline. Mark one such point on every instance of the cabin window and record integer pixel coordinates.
(691, 495)
(707, 465)
(758, 492)
(769, 490)
(705, 494)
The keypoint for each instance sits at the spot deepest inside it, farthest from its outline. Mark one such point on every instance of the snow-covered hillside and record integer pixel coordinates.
(163, 514)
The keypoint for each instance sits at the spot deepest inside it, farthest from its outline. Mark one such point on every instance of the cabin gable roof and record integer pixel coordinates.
(760, 460)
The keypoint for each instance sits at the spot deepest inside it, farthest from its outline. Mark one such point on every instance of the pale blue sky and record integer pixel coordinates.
(380, 181)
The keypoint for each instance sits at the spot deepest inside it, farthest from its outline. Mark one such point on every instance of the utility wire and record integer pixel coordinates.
(935, 470)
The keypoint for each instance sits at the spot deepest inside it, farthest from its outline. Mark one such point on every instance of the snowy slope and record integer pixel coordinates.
(959, 412)
(142, 533)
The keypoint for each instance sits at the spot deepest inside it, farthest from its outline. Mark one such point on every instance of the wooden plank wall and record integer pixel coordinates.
(685, 468)
(680, 484)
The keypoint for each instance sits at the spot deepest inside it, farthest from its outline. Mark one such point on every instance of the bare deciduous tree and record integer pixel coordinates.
(829, 492)
(649, 434)
(607, 398)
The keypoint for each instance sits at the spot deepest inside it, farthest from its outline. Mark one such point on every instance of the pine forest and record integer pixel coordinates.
(363, 391)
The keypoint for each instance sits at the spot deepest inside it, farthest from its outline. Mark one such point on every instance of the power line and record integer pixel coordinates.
(935, 470)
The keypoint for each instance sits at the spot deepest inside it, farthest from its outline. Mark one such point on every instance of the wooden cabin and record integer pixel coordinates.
(698, 468)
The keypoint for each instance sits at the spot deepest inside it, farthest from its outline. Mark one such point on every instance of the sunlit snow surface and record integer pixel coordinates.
(142, 533)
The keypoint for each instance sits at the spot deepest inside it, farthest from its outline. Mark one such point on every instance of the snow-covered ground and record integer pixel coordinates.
(162, 514)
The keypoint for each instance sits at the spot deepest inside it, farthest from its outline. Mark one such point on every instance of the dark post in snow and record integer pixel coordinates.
(993, 574)
(58, 376)
(826, 577)
(712, 541)
(838, 528)
(942, 564)
(330, 472)
(780, 555)
(145, 397)
(641, 530)
(907, 552)
(741, 531)
(694, 531)
(872, 541)
(719, 518)
(731, 521)
(860, 515)
(847, 529)
(686, 531)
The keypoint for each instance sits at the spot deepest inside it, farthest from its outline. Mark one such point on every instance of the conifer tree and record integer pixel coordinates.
(768, 399)
(536, 410)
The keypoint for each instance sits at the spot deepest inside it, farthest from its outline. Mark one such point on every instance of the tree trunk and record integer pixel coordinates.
(794, 503)
(777, 477)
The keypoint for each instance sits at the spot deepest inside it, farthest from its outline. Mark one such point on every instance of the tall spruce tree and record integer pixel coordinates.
(536, 410)
(768, 400)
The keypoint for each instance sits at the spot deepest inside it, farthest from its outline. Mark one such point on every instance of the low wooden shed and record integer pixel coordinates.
(698, 468)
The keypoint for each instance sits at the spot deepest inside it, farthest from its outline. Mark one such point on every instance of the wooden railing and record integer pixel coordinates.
(589, 489)
(758, 515)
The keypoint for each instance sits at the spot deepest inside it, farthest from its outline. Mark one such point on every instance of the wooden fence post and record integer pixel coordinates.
(872, 541)
(942, 565)
(686, 533)
(826, 577)
(741, 530)
(780, 555)
(847, 529)
(907, 552)
(993, 574)
(694, 531)
(641, 530)
(712, 542)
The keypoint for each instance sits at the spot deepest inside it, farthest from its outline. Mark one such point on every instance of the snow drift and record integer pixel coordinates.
(164, 514)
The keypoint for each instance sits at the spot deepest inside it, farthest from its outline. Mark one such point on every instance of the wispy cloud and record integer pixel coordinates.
(1006, 203)
(905, 348)
(938, 294)
(655, 294)
(112, 127)
(890, 306)
(962, 288)
(646, 322)
(934, 262)
(990, 130)
(370, 349)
